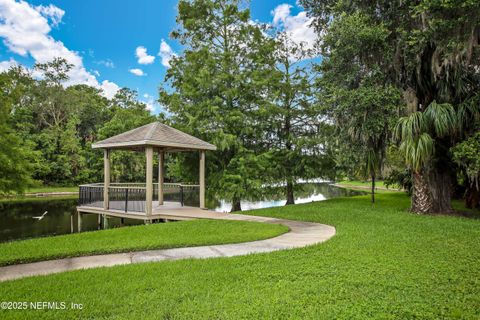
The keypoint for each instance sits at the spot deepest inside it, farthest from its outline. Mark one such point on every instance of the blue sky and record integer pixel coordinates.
(102, 38)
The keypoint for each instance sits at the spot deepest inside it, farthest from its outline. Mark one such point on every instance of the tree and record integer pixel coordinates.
(430, 54)
(92, 110)
(128, 113)
(55, 116)
(51, 105)
(466, 155)
(419, 134)
(15, 156)
(292, 123)
(356, 97)
(218, 90)
(50, 128)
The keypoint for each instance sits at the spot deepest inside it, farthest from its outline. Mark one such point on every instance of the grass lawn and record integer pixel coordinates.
(383, 263)
(143, 237)
(379, 185)
(24, 199)
(52, 189)
(356, 183)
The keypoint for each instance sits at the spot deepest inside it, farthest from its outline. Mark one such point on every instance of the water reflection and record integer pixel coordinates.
(275, 197)
(17, 222)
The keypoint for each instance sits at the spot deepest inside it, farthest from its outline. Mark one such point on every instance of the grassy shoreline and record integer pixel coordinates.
(48, 189)
(379, 185)
(40, 192)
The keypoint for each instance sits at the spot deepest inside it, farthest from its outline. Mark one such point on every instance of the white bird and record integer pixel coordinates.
(40, 217)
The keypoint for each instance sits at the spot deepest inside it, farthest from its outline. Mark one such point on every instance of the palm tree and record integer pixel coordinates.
(420, 135)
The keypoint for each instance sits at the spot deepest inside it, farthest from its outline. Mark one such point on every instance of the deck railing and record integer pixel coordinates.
(91, 195)
(127, 198)
(131, 197)
(187, 195)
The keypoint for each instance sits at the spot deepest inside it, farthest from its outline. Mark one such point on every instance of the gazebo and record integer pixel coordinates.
(136, 200)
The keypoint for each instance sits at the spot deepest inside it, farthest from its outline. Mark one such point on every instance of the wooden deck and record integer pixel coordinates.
(169, 211)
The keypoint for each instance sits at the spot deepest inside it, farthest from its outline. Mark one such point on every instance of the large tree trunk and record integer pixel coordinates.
(290, 196)
(421, 197)
(236, 206)
(432, 192)
(472, 197)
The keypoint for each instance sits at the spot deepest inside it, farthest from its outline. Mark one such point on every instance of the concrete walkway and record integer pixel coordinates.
(301, 234)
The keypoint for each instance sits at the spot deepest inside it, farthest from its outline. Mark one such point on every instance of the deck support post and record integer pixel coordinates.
(149, 181)
(106, 175)
(202, 179)
(161, 159)
(71, 222)
(79, 221)
(105, 222)
(99, 222)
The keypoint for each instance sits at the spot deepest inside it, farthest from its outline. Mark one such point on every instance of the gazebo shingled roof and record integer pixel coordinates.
(155, 134)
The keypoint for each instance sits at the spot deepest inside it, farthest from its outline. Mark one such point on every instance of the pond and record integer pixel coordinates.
(17, 222)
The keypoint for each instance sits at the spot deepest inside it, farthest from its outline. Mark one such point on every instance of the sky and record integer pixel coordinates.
(115, 43)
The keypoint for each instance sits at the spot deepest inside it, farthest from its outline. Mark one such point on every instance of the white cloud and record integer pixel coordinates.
(143, 56)
(51, 12)
(280, 13)
(25, 31)
(107, 63)
(150, 105)
(137, 72)
(5, 65)
(109, 88)
(96, 72)
(166, 53)
(149, 102)
(297, 27)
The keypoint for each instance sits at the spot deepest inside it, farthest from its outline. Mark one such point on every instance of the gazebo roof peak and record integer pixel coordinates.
(154, 134)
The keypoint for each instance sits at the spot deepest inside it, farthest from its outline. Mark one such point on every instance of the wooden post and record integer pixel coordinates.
(149, 181)
(105, 222)
(161, 159)
(99, 222)
(202, 179)
(71, 222)
(79, 222)
(106, 175)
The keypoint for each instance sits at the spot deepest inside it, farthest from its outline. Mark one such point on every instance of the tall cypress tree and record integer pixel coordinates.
(217, 91)
(293, 122)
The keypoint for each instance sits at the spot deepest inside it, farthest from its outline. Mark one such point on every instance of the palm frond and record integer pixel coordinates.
(418, 151)
(442, 119)
(411, 126)
(468, 113)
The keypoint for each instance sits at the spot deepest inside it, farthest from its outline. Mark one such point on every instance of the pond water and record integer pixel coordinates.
(17, 222)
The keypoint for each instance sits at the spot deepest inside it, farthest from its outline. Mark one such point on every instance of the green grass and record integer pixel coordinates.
(52, 189)
(383, 263)
(23, 199)
(143, 237)
(356, 183)
(380, 186)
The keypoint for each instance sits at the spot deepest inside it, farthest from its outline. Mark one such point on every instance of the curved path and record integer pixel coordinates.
(301, 234)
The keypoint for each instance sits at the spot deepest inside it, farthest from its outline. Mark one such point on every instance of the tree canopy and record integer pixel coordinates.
(389, 91)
